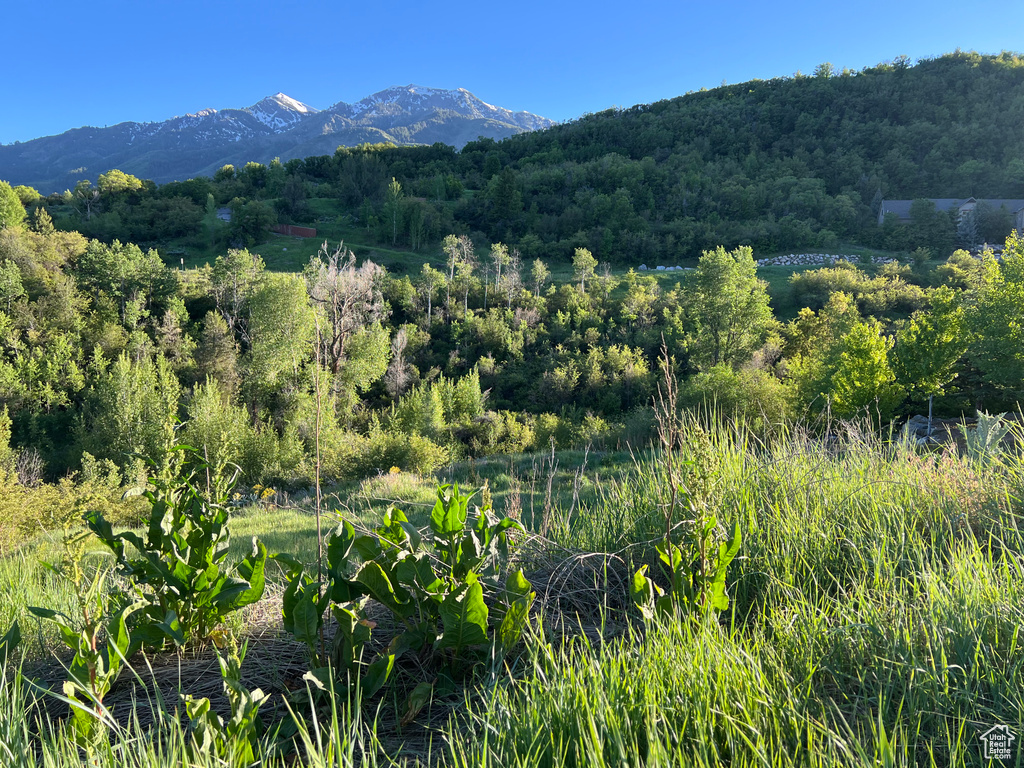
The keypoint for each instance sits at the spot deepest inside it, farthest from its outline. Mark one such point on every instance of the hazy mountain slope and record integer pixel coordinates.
(277, 126)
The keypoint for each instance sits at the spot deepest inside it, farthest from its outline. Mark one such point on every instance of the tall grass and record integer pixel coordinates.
(337, 737)
(876, 619)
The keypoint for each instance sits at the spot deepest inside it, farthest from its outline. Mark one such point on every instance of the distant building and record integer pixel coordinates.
(902, 208)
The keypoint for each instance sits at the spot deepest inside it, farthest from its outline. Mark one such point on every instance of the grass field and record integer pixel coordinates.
(875, 619)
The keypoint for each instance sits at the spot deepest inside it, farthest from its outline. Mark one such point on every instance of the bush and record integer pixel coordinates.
(419, 412)
(498, 432)
(760, 398)
(410, 453)
(222, 434)
(268, 457)
(889, 292)
(545, 430)
(638, 428)
(813, 287)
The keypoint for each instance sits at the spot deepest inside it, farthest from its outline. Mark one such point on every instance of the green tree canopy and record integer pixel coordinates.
(727, 307)
(930, 345)
(12, 212)
(583, 265)
(863, 378)
(131, 412)
(28, 195)
(117, 182)
(281, 326)
(997, 320)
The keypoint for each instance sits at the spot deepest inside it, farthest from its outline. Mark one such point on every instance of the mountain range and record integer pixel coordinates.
(278, 126)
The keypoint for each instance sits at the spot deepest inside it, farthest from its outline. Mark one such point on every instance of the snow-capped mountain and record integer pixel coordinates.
(398, 103)
(280, 112)
(277, 126)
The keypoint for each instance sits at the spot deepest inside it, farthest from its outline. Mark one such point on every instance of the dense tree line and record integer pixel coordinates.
(786, 163)
(110, 355)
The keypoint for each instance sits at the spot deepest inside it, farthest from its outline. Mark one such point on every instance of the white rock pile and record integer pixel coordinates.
(810, 259)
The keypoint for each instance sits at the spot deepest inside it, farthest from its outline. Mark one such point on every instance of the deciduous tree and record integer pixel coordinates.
(583, 264)
(12, 212)
(727, 308)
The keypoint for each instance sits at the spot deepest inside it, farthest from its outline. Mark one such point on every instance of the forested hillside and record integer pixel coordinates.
(790, 163)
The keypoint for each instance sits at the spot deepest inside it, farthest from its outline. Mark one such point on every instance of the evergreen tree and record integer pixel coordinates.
(967, 231)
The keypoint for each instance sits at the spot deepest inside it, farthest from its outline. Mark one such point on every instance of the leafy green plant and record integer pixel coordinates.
(695, 558)
(101, 644)
(983, 442)
(435, 583)
(235, 742)
(436, 586)
(697, 568)
(180, 571)
(307, 599)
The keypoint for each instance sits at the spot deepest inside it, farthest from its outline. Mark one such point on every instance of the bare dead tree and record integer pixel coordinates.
(349, 296)
(397, 378)
(513, 276)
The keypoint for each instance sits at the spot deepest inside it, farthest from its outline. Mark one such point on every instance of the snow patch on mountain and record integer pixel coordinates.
(416, 102)
(280, 112)
(278, 126)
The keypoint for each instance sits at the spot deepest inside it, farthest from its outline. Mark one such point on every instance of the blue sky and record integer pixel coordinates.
(104, 62)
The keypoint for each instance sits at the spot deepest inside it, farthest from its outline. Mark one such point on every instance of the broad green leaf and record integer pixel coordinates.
(172, 629)
(307, 616)
(291, 598)
(196, 708)
(726, 553)
(395, 529)
(10, 641)
(339, 545)
(372, 576)
(252, 570)
(377, 674)
(469, 555)
(291, 564)
(665, 606)
(449, 514)
(413, 536)
(224, 594)
(45, 613)
(512, 625)
(368, 547)
(98, 524)
(644, 592)
(415, 571)
(117, 634)
(517, 585)
(464, 616)
(319, 678)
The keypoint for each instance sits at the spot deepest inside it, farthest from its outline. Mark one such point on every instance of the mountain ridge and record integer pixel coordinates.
(197, 143)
